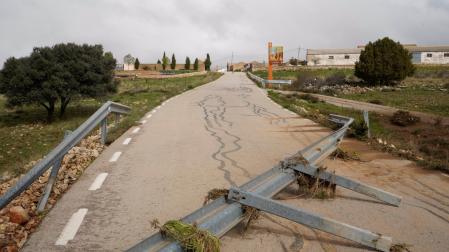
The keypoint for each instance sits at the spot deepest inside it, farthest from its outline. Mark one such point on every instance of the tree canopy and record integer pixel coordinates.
(187, 64)
(165, 61)
(196, 64)
(384, 62)
(136, 64)
(207, 63)
(55, 74)
(173, 62)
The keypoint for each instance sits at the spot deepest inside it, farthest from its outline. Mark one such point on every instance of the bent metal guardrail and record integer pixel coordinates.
(264, 82)
(224, 213)
(54, 158)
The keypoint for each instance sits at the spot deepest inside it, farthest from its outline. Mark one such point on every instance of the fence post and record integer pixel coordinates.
(51, 180)
(366, 119)
(104, 130)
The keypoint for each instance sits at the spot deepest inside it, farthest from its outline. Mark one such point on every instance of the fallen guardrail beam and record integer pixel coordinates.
(55, 156)
(350, 184)
(222, 214)
(362, 236)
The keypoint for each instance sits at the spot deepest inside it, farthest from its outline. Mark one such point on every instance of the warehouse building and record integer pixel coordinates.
(348, 57)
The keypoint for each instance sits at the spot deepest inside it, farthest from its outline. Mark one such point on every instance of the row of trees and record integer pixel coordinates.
(166, 61)
(58, 75)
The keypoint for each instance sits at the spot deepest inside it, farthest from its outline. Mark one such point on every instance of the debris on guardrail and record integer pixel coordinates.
(190, 236)
(20, 218)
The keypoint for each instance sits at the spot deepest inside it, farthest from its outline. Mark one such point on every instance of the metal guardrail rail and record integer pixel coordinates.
(264, 82)
(222, 214)
(54, 158)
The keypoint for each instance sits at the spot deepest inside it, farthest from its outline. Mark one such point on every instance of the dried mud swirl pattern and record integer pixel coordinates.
(214, 109)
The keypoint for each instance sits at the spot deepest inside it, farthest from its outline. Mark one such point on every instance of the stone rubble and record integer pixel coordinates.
(20, 218)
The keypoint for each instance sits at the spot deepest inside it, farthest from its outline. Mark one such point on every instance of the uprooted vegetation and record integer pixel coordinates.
(425, 143)
(189, 236)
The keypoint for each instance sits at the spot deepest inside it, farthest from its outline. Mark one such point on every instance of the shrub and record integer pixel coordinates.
(378, 102)
(146, 68)
(337, 78)
(358, 129)
(309, 97)
(384, 62)
(293, 61)
(404, 118)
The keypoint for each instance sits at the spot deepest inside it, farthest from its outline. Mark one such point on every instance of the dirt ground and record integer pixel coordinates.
(421, 221)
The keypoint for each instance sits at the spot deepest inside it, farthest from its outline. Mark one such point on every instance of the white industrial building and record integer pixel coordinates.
(348, 57)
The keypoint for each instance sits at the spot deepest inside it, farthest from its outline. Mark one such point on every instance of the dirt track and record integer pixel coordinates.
(223, 134)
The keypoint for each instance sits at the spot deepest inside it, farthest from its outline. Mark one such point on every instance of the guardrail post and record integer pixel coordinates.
(104, 130)
(366, 119)
(51, 180)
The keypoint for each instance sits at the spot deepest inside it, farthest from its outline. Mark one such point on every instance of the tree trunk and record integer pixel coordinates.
(64, 103)
(50, 110)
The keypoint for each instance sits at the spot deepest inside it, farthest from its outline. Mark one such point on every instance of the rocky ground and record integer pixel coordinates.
(20, 218)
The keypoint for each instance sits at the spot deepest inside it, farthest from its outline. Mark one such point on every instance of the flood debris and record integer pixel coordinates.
(345, 155)
(215, 194)
(314, 187)
(400, 247)
(189, 236)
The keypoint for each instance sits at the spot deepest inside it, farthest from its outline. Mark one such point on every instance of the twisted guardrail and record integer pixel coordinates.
(54, 158)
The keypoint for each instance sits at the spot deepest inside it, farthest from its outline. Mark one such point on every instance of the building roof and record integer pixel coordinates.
(333, 51)
(409, 47)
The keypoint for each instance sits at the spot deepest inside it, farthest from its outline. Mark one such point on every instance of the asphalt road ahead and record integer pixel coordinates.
(214, 136)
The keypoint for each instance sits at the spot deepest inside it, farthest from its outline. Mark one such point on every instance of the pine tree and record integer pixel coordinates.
(165, 61)
(173, 62)
(136, 64)
(384, 62)
(207, 63)
(195, 64)
(187, 65)
(158, 61)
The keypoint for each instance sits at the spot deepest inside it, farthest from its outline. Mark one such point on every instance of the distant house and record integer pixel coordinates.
(348, 57)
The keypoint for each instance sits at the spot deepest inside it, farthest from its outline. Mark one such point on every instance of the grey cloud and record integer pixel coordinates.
(195, 27)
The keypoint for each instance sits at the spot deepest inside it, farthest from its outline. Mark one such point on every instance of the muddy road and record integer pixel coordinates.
(223, 134)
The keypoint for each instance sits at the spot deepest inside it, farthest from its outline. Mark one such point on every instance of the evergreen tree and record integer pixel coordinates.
(173, 62)
(207, 63)
(58, 74)
(136, 64)
(196, 64)
(158, 61)
(165, 61)
(187, 65)
(384, 62)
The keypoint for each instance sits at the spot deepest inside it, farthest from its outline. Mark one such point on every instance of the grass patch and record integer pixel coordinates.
(416, 98)
(292, 74)
(25, 136)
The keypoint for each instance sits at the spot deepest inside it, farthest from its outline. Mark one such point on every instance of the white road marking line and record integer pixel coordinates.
(98, 181)
(136, 130)
(127, 140)
(150, 115)
(70, 229)
(143, 121)
(445, 175)
(115, 156)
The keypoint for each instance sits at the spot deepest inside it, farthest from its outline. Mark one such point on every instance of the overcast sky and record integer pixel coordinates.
(219, 27)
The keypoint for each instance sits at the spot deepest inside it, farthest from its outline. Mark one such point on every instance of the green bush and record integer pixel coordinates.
(384, 62)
